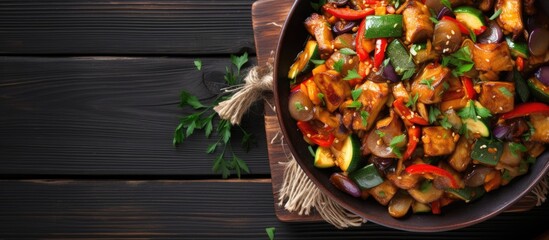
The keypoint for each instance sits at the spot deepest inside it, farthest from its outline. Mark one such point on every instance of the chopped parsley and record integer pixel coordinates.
(396, 141)
(380, 133)
(474, 111)
(496, 14)
(433, 114)
(445, 123)
(352, 74)
(318, 61)
(299, 106)
(505, 91)
(447, 4)
(364, 116)
(516, 147)
(412, 100)
(428, 83)
(347, 51)
(338, 66)
(321, 96)
(461, 60)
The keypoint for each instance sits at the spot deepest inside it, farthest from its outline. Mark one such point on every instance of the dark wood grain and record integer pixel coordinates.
(107, 116)
(126, 27)
(54, 209)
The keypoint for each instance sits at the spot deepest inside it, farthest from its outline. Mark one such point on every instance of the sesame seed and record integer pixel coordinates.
(478, 117)
(501, 108)
(394, 26)
(487, 60)
(447, 42)
(483, 146)
(453, 32)
(448, 37)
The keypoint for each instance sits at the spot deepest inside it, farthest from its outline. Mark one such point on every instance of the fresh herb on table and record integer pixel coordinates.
(270, 232)
(205, 118)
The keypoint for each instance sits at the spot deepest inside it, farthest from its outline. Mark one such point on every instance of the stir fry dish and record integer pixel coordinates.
(421, 104)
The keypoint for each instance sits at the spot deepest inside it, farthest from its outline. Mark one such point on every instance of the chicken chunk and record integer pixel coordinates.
(498, 97)
(318, 26)
(492, 57)
(372, 98)
(510, 19)
(461, 157)
(438, 141)
(429, 84)
(335, 89)
(417, 24)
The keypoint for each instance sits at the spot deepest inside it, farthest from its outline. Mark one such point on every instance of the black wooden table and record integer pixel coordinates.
(88, 104)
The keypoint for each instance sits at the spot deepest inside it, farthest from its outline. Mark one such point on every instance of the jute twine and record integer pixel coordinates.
(298, 193)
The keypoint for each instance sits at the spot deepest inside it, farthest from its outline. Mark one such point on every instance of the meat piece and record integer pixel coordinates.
(429, 84)
(318, 26)
(540, 122)
(438, 141)
(417, 24)
(510, 19)
(498, 97)
(492, 57)
(383, 192)
(349, 62)
(373, 99)
(335, 89)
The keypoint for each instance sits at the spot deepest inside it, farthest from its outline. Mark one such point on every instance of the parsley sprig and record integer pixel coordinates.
(460, 60)
(205, 118)
(474, 111)
(394, 144)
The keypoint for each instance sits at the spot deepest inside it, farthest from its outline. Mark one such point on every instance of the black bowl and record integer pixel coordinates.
(454, 216)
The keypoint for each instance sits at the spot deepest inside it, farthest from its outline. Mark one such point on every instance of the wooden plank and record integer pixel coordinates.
(126, 27)
(108, 116)
(54, 209)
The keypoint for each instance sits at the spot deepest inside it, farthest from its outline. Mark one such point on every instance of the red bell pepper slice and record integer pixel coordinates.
(379, 55)
(317, 137)
(362, 54)
(407, 114)
(526, 109)
(520, 64)
(435, 206)
(348, 13)
(439, 172)
(480, 31)
(469, 87)
(462, 28)
(414, 134)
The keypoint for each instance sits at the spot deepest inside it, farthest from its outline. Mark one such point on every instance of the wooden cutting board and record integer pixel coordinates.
(268, 16)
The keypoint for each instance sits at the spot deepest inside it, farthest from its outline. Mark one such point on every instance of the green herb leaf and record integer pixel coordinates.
(445, 123)
(505, 91)
(428, 83)
(352, 74)
(412, 101)
(338, 66)
(364, 116)
(472, 111)
(211, 148)
(239, 61)
(318, 61)
(396, 141)
(187, 99)
(271, 230)
(434, 20)
(496, 14)
(380, 133)
(473, 36)
(408, 73)
(385, 62)
(355, 104)
(198, 64)
(356, 93)
(447, 4)
(299, 106)
(460, 60)
(433, 114)
(531, 130)
(516, 147)
(347, 51)
(321, 96)
(311, 150)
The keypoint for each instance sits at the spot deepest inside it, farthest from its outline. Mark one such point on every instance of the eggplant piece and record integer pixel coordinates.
(429, 84)
(438, 141)
(492, 57)
(498, 97)
(461, 157)
(426, 192)
(417, 24)
(510, 19)
(384, 192)
(540, 122)
(318, 26)
(335, 89)
(400, 205)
